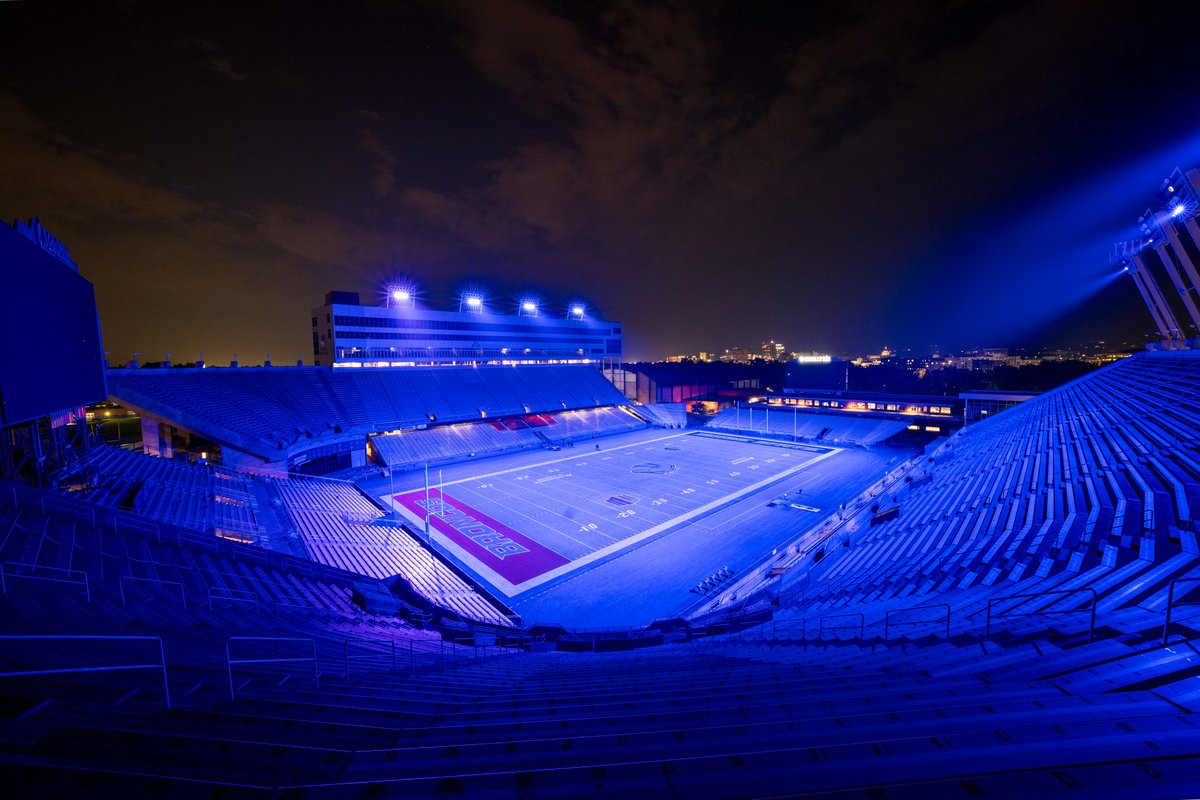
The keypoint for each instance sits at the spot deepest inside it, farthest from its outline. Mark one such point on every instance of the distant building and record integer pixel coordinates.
(773, 351)
(924, 413)
(346, 333)
(735, 355)
(682, 382)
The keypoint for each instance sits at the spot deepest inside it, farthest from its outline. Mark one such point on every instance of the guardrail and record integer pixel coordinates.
(6, 574)
(230, 661)
(63, 506)
(840, 522)
(861, 624)
(987, 636)
(232, 595)
(435, 648)
(347, 656)
(123, 522)
(106, 519)
(161, 665)
(1172, 605)
(155, 582)
(888, 624)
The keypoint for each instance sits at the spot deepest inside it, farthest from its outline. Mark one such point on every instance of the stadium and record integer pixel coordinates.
(467, 564)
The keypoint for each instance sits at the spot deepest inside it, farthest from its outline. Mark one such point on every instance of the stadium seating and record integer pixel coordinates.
(310, 697)
(193, 496)
(784, 423)
(447, 443)
(277, 408)
(443, 444)
(1088, 487)
(1004, 636)
(342, 528)
(573, 426)
(663, 415)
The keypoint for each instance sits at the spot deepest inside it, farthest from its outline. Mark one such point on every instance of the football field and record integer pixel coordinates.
(521, 527)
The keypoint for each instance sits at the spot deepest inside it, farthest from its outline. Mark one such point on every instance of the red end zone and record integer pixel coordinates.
(510, 554)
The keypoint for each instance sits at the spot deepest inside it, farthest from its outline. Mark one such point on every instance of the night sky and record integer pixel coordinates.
(838, 176)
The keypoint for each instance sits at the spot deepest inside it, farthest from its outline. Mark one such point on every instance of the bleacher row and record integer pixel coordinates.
(729, 716)
(41, 548)
(448, 443)
(193, 496)
(831, 428)
(823, 701)
(1089, 486)
(663, 415)
(573, 426)
(342, 528)
(280, 406)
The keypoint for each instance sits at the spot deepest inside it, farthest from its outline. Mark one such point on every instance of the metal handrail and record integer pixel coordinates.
(5, 574)
(441, 650)
(119, 521)
(67, 507)
(1171, 604)
(887, 619)
(161, 665)
(236, 595)
(464, 641)
(229, 661)
(861, 624)
(346, 655)
(987, 636)
(156, 582)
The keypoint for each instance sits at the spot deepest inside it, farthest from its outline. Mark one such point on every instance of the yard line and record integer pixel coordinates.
(527, 500)
(671, 523)
(559, 460)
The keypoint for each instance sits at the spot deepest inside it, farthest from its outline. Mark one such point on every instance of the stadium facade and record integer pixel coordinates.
(402, 332)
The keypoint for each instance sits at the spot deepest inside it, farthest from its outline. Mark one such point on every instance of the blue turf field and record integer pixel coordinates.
(646, 516)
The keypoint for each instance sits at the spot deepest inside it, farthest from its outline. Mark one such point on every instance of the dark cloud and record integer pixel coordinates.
(713, 174)
(215, 60)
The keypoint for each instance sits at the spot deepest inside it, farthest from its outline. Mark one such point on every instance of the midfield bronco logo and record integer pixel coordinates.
(652, 468)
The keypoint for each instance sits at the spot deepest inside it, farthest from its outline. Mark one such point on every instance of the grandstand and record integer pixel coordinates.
(664, 415)
(801, 426)
(342, 528)
(1005, 636)
(280, 419)
(781, 603)
(179, 493)
(445, 444)
(1096, 478)
(857, 668)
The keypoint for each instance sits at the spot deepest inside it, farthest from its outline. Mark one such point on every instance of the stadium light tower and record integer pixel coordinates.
(528, 307)
(471, 301)
(401, 295)
(1160, 235)
(1127, 255)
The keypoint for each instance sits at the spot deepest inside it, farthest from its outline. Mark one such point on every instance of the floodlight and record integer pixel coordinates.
(528, 306)
(471, 301)
(576, 310)
(1177, 210)
(401, 294)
